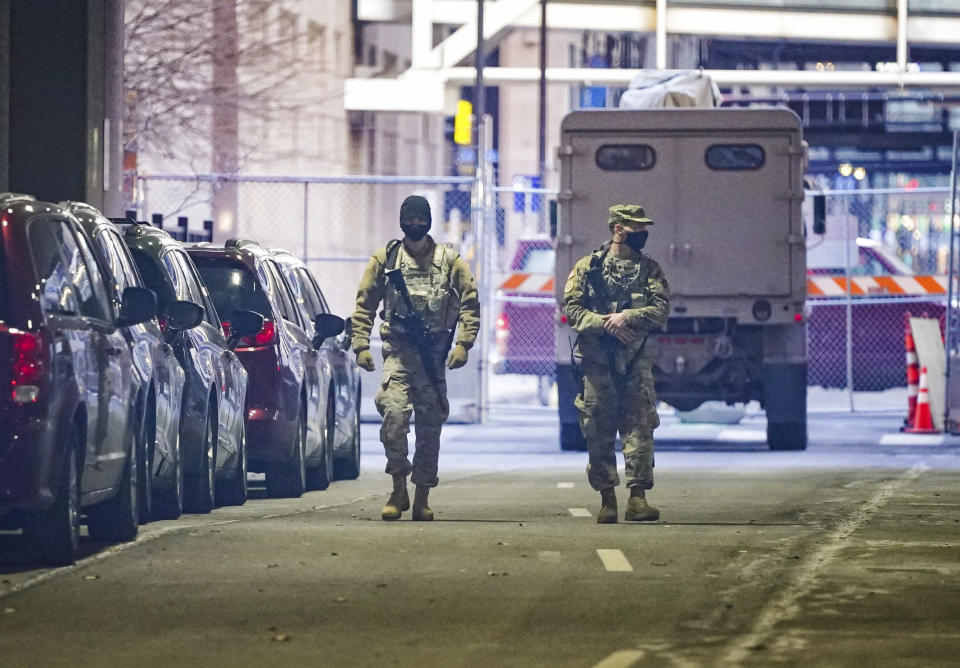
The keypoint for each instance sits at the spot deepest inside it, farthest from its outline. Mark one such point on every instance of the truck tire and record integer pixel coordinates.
(787, 435)
(785, 401)
(571, 438)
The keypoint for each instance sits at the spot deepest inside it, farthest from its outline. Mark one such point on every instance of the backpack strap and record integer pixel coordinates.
(393, 250)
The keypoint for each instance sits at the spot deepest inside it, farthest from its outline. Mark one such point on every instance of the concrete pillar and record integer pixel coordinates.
(61, 80)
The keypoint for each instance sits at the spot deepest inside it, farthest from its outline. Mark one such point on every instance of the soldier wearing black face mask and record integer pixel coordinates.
(442, 292)
(613, 298)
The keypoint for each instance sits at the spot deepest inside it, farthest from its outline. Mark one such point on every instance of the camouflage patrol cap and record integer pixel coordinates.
(628, 213)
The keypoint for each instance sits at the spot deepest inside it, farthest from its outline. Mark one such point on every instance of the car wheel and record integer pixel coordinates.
(145, 498)
(118, 519)
(348, 468)
(289, 479)
(233, 491)
(319, 477)
(200, 491)
(168, 503)
(54, 534)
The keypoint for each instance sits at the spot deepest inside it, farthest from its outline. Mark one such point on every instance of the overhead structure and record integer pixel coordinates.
(437, 69)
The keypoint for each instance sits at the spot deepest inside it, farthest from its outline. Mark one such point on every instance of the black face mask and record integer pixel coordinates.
(636, 240)
(414, 232)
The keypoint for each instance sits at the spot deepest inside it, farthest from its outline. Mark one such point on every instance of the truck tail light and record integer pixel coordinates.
(28, 366)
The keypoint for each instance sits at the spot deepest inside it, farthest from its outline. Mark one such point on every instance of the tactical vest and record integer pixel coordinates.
(606, 298)
(429, 287)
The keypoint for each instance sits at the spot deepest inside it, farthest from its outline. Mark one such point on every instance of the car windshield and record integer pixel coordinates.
(232, 286)
(539, 261)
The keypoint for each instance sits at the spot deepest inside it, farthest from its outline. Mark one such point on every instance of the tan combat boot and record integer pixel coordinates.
(608, 512)
(399, 500)
(421, 511)
(637, 508)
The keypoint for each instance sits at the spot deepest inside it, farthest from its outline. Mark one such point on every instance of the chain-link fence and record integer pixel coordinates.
(523, 361)
(884, 255)
(334, 223)
(882, 258)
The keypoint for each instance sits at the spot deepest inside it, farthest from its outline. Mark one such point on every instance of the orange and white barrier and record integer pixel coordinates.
(873, 286)
(528, 283)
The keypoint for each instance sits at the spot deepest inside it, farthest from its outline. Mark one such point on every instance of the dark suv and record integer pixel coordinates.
(291, 403)
(68, 435)
(212, 435)
(159, 375)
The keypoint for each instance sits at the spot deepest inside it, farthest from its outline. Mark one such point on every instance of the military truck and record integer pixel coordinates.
(725, 188)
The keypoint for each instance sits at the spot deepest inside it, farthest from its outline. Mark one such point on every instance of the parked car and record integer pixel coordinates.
(526, 319)
(291, 402)
(346, 374)
(157, 371)
(68, 420)
(212, 430)
(877, 325)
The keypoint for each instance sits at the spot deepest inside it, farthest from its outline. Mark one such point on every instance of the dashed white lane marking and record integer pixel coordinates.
(913, 439)
(580, 512)
(564, 485)
(787, 605)
(614, 561)
(622, 659)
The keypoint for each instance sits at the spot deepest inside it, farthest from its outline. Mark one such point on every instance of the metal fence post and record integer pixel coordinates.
(306, 219)
(485, 235)
(849, 308)
(951, 324)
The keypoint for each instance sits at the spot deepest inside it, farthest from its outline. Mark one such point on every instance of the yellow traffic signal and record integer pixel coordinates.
(463, 123)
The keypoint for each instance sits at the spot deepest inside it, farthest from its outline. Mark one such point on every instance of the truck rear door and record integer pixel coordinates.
(731, 240)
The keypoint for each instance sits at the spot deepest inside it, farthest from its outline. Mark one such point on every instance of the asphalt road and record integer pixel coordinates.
(846, 554)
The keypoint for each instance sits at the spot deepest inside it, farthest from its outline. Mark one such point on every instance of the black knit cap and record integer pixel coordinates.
(415, 206)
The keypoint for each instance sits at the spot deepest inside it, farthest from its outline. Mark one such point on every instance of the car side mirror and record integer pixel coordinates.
(326, 325)
(137, 305)
(243, 323)
(184, 315)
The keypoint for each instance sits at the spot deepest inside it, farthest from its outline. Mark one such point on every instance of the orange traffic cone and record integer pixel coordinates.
(923, 419)
(913, 373)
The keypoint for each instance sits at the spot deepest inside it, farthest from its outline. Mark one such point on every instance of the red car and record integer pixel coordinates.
(291, 394)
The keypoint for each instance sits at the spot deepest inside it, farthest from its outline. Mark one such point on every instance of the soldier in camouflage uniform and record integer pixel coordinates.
(613, 298)
(442, 289)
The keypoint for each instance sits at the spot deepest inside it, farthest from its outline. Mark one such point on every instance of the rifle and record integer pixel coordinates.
(416, 328)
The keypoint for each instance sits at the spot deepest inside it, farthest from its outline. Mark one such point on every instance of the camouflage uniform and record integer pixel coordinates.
(442, 289)
(624, 402)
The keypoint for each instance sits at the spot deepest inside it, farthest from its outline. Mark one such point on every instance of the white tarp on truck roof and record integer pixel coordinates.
(656, 89)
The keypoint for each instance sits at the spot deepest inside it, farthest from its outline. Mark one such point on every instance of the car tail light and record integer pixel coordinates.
(162, 320)
(503, 323)
(29, 366)
(266, 335)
